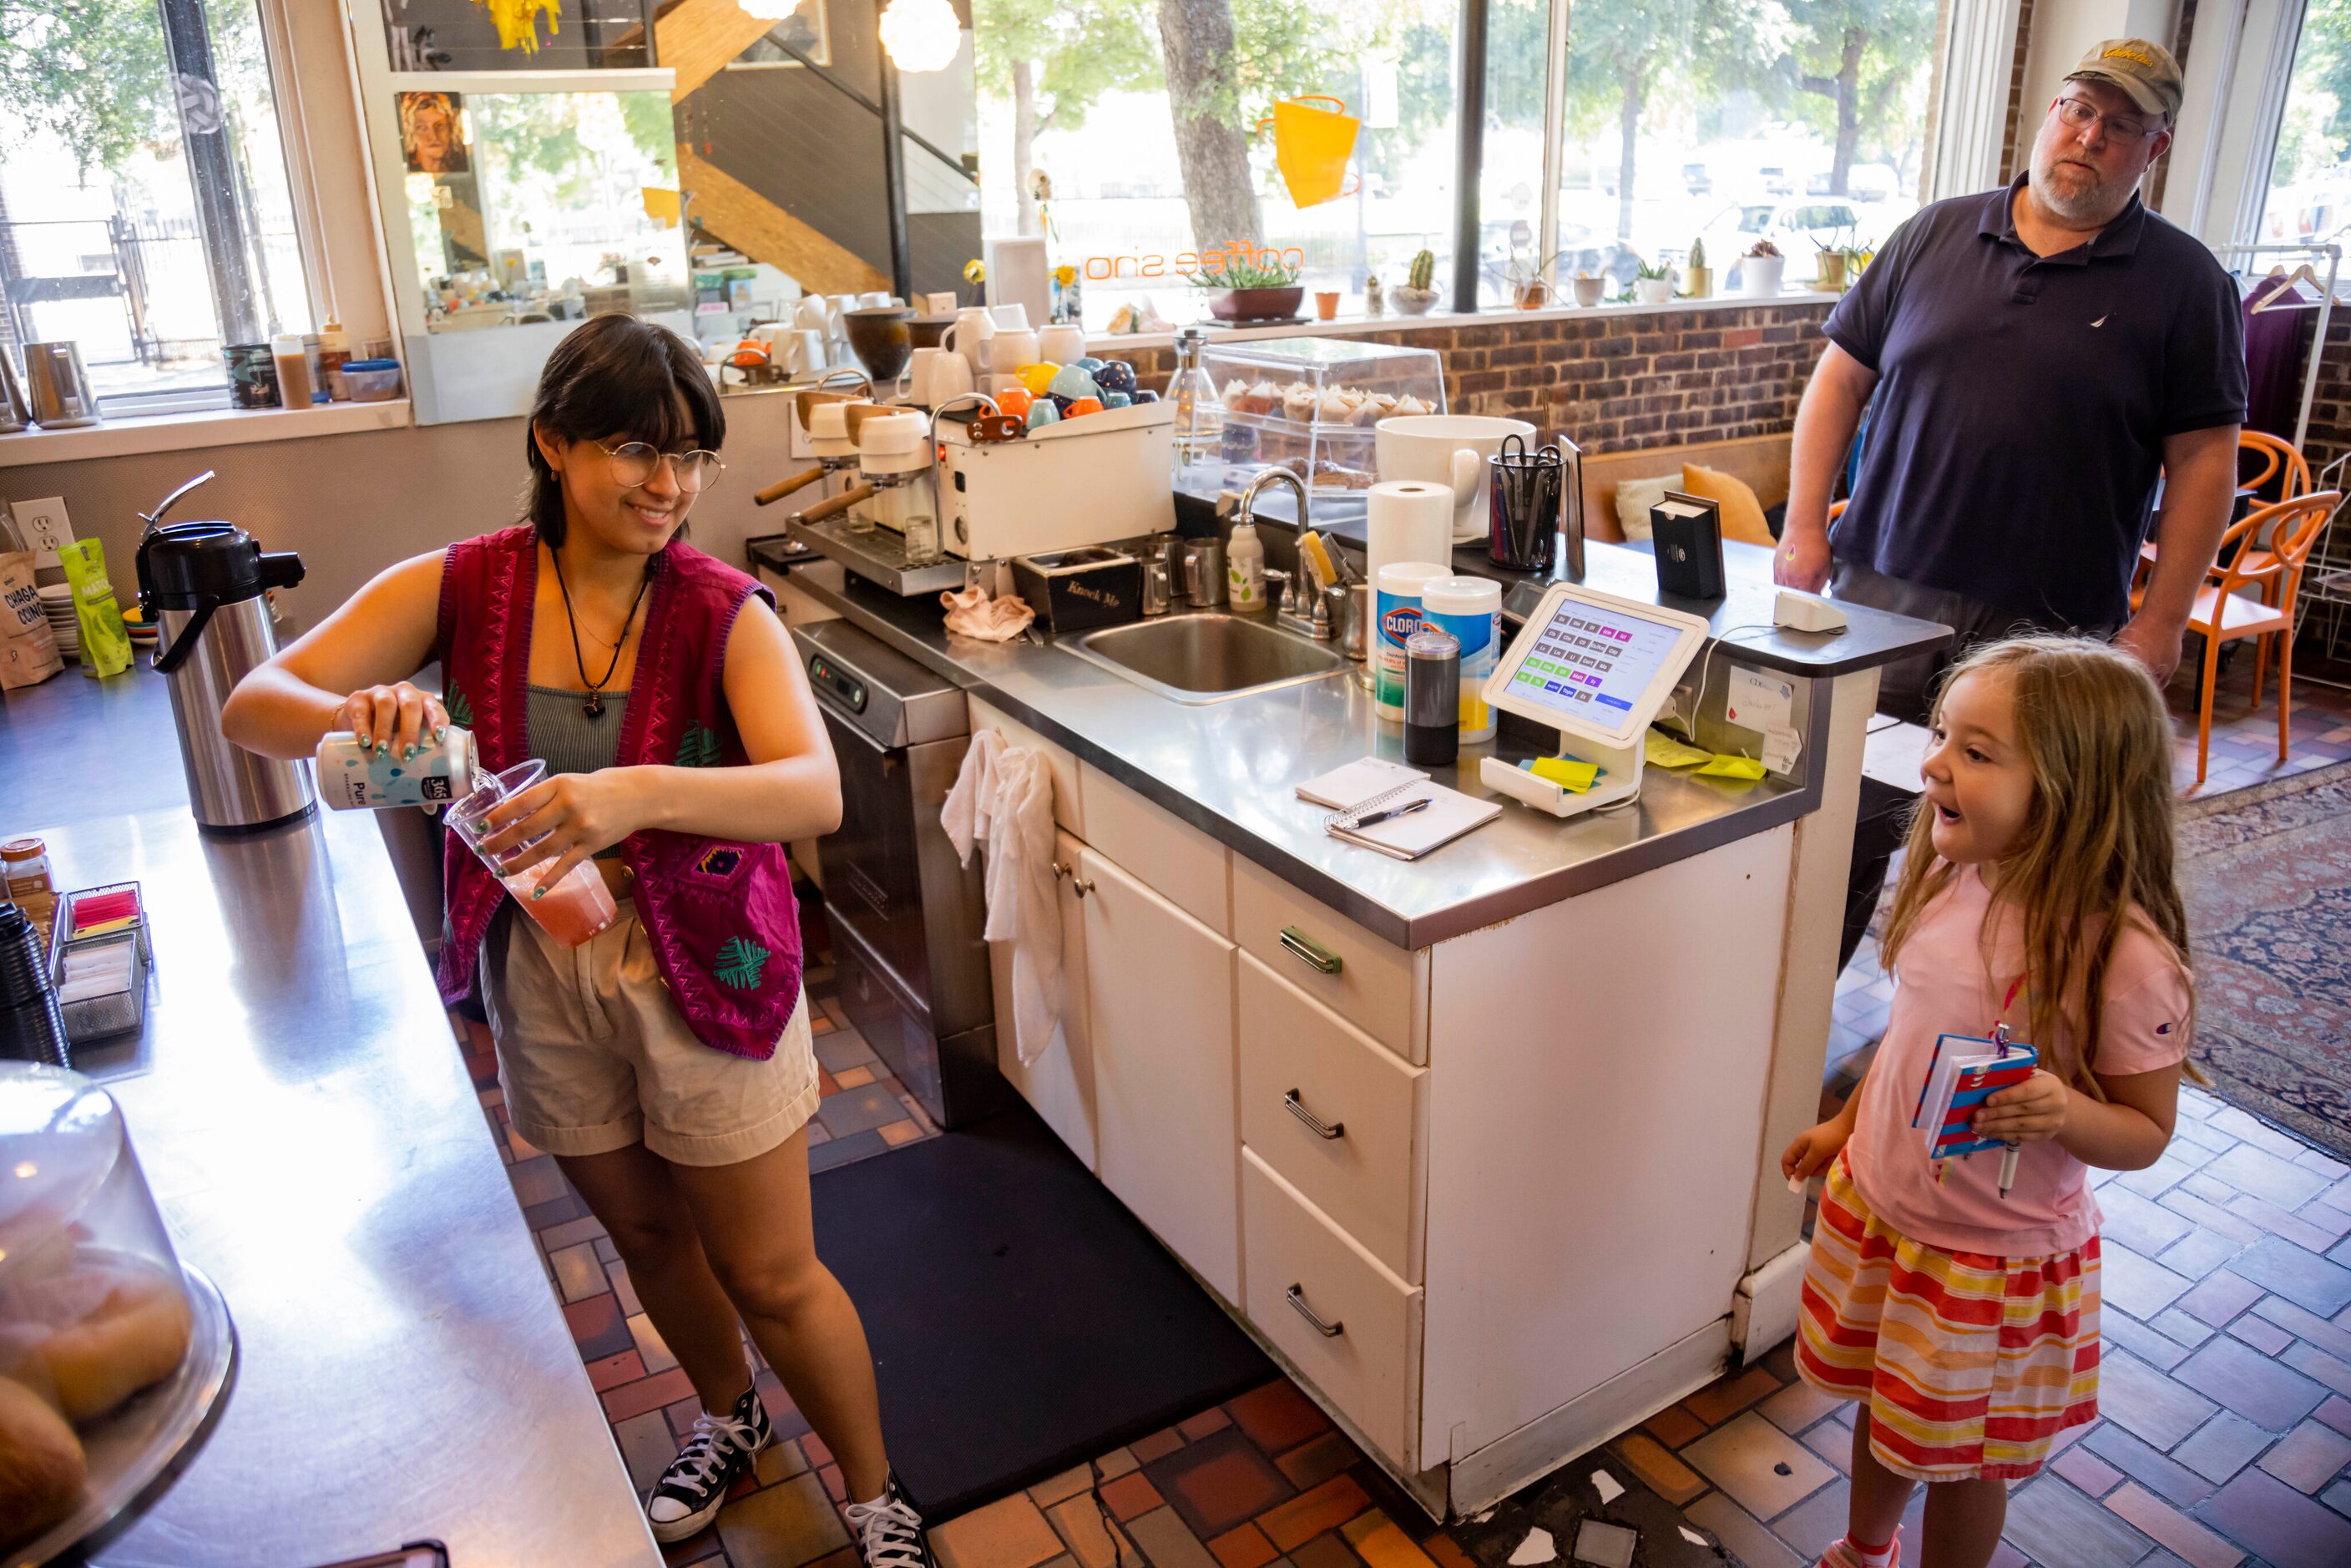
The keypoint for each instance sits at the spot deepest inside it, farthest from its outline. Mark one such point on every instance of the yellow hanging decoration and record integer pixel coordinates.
(518, 22)
(1312, 146)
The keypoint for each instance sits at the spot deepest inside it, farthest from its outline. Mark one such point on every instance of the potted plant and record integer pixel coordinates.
(1418, 292)
(1830, 273)
(1697, 278)
(1589, 287)
(1530, 282)
(1243, 291)
(1761, 270)
(1654, 285)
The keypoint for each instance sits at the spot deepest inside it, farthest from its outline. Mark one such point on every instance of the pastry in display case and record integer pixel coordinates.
(1311, 404)
(111, 1353)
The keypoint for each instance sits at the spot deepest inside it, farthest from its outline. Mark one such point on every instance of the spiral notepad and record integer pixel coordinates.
(1449, 815)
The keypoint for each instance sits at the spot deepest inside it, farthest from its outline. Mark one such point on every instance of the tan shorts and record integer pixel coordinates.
(594, 1056)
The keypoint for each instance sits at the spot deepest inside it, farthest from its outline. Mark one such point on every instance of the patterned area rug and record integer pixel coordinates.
(2267, 875)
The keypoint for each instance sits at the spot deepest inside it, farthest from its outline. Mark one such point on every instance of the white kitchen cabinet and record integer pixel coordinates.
(1159, 988)
(1061, 1083)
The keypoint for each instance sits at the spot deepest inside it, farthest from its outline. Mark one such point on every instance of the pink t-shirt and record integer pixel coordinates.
(1943, 989)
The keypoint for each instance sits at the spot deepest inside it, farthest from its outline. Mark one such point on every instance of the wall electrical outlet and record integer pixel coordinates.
(44, 527)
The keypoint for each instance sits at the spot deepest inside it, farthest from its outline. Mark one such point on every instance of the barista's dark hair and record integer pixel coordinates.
(616, 379)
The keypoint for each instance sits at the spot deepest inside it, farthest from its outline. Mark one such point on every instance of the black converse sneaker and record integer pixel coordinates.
(890, 1533)
(694, 1489)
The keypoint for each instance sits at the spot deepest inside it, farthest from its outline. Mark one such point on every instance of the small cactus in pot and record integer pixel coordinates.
(1418, 292)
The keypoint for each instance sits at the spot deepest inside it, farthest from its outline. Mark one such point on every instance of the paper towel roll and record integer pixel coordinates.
(1407, 519)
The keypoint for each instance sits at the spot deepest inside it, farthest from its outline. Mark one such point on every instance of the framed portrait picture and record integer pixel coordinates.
(432, 133)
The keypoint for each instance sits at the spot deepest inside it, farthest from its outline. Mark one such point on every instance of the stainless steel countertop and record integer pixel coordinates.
(309, 1129)
(1230, 768)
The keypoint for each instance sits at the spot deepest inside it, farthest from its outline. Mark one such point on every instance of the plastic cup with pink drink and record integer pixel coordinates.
(572, 910)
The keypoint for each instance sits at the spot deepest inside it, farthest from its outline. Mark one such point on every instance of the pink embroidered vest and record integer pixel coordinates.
(719, 913)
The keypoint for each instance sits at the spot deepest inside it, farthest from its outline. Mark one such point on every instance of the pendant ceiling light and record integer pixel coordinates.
(767, 10)
(921, 34)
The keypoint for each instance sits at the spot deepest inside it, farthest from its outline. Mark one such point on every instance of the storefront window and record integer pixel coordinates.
(1151, 145)
(144, 209)
(2309, 200)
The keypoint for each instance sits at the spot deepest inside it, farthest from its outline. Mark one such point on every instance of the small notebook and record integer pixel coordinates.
(1964, 1072)
(1344, 789)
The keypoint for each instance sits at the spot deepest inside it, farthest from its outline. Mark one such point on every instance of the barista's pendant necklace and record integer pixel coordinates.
(594, 706)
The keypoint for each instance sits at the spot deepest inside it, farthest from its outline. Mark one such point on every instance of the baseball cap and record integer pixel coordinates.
(2145, 71)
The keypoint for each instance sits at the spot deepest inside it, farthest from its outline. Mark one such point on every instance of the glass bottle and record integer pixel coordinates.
(1199, 418)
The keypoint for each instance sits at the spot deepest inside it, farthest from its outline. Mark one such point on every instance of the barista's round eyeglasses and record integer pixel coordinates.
(2078, 115)
(633, 463)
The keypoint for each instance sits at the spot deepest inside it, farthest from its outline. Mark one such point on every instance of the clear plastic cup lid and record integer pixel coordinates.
(60, 1136)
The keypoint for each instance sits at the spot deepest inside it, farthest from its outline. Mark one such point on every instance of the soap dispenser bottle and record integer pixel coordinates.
(1245, 569)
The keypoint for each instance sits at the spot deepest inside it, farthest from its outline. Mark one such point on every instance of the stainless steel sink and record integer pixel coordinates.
(1207, 657)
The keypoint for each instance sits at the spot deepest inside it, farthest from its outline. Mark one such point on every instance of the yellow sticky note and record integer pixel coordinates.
(1567, 772)
(1745, 768)
(1663, 751)
(661, 206)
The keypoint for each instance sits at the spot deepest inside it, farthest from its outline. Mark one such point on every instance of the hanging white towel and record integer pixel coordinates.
(1004, 803)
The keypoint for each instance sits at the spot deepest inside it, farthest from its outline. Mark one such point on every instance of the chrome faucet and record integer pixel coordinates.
(1314, 620)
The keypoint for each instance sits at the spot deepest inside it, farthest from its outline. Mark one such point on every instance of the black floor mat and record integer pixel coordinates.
(1021, 1321)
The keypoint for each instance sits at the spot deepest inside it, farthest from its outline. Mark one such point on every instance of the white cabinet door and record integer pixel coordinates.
(1159, 988)
(1061, 1083)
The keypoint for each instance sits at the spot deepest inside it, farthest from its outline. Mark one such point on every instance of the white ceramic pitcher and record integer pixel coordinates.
(1450, 449)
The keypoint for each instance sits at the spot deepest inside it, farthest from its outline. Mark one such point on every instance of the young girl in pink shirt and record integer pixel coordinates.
(2037, 894)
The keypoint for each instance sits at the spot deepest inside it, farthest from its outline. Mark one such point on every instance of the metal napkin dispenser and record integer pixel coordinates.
(1078, 590)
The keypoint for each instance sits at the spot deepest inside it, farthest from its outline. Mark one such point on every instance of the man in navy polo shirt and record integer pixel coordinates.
(2033, 360)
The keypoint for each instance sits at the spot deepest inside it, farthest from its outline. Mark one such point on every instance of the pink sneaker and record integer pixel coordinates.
(1843, 1555)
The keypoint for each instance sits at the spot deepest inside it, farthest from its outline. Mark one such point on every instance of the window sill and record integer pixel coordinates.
(1353, 326)
(189, 432)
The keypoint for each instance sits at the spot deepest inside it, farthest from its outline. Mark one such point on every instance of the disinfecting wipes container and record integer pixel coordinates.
(1471, 609)
(1398, 614)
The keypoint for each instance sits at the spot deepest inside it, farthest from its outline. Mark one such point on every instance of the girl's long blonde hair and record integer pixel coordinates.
(2097, 848)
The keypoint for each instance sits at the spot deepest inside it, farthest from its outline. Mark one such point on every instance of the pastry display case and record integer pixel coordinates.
(1311, 404)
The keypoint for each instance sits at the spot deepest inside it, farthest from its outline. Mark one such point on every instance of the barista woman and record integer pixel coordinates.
(666, 1063)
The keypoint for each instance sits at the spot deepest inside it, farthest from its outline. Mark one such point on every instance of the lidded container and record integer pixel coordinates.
(1311, 404)
(92, 1301)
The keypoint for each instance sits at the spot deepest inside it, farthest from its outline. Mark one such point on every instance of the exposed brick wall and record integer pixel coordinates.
(2330, 405)
(2011, 153)
(1617, 381)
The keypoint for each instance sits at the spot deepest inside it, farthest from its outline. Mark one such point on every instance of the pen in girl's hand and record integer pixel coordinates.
(1407, 809)
(2008, 1167)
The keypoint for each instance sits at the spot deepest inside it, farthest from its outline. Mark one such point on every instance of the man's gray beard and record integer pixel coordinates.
(2099, 204)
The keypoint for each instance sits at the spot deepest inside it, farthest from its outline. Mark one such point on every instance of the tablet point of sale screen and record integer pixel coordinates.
(1594, 662)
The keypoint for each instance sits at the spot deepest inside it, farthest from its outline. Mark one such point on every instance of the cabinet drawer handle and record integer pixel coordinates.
(1297, 943)
(1059, 871)
(1081, 886)
(1291, 1103)
(1296, 1297)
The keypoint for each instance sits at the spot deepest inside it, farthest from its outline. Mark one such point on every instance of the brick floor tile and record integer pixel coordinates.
(1726, 1397)
(2135, 1284)
(2318, 1330)
(1218, 1483)
(793, 1524)
(897, 1133)
(1246, 1547)
(536, 1181)
(1327, 1507)
(1080, 1523)
(2144, 1227)
(1832, 1441)
(2249, 1382)
(780, 1461)
(1381, 1544)
(1664, 1474)
(596, 1327)
(2337, 1497)
(2123, 1332)
(2211, 1215)
(2189, 1540)
(1741, 1534)
(1279, 1416)
(1011, 1533)
(1198, 1427)
(1746, 1458)
(1819, 1522)
(2301, 1277)
(1328, 1550)
(2222, 1446)
(2174, 1324)
(2261, 1334)
(1674, 1425)
(2312, 1235)
(853, 1077)
(645, 1394)
(679, 1415)
(2164, 1477)
(2267, 1172)
(2136, 1396)
(2087, 1471)
(2167, 1173)
(1129, 1495)
(2202, 1134)
(2221, 1298)
(570, 1233)
(1115, 1463)
(1166, 1541)
(2056, 1524)
(2269, 1518)
(1317, 1459)
(614, 1370)
(1062, 1487)
(2309, 1457)
(647, 1446)
(1797, 1406)
(2325, 1165)
(2198, 1252)
(703, 1549)
(1165, 1441)
(1444, 1553)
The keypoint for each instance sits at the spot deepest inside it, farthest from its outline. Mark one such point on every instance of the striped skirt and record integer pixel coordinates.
(1971, 1364)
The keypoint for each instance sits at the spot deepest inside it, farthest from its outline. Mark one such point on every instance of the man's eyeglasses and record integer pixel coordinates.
(2078, 115)
(633, 463)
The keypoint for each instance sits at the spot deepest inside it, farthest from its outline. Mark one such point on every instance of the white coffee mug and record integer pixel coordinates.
(969, 335)
(1008, 350)
(813, 311)
(1060, 344)
(1448, 449)
(803, 351)
(879, 299)
(1011, 318)
(951, 377)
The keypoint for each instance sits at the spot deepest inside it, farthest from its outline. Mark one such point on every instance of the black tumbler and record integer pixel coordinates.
(31, 1027)
(1432, 699)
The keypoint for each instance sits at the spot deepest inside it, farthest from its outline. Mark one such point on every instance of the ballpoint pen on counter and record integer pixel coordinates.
(1407, 809)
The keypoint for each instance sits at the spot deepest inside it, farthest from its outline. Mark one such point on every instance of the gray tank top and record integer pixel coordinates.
(558, 731)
